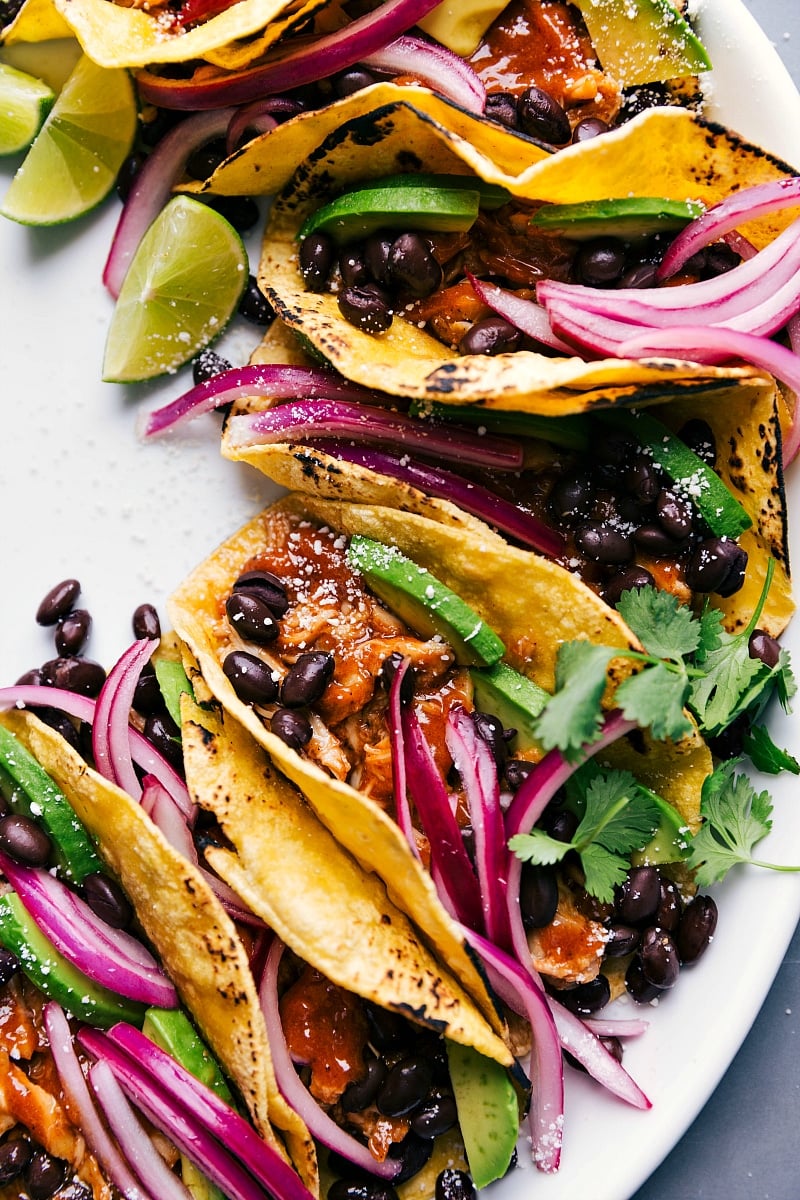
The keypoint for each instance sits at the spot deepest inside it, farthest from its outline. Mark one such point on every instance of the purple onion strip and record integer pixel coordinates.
(527, 316)
(436, 66)
(397, 742)
(111, 744)
(260, 116)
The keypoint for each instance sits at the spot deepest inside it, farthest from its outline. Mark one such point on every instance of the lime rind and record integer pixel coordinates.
(24, 104)
(181, 290)
(73, 162)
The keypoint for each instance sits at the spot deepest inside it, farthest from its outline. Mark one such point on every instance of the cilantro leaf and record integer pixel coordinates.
(538, 847)
(655, 698)
(620, 815)
(711, 631)
(785, 682)
(765, 755)
(665, 627)
(729, 671)
(572, 716)
(603, 871)
(735, 819)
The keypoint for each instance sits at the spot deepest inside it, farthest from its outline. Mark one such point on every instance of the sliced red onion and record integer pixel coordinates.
(437, 67)
(737, 209)
(612, 1027)
(432, 802)
(217, 1140)
(83, 708)
(714, 344)
(167, 816)
(475, 764)
(110, 957)
(111, 745)
(322, 1127)
(276, 382)
(583, 1044)
(134, 1142)
(152, 186)
(79, 1098)
(524, 995)
(260, 116)
(309, 62)
(475, 499)
(397, 743)
(526, 315)
(300, 420)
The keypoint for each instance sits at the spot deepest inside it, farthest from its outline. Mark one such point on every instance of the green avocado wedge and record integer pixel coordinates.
(627, 217)
(643, 41)
(488, 1112)
(401, 207)
(512, 698)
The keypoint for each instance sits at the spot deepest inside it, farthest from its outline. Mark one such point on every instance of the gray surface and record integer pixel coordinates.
(744, 1145)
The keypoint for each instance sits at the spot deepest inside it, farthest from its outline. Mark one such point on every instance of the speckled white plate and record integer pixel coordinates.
(81, 496)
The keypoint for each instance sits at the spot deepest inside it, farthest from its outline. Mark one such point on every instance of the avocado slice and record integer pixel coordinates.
(717, 505)
(643, 41)
(569, 432)
(173, 682)
(492, 195)
(57, 978)
(37, 796)
(511, 697)
(426, 604)
(409, 206)
(628, 217)
(669, 843)
(171, 1029)
(488, 1112)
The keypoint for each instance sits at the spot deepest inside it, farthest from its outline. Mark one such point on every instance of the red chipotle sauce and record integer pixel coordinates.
(326, 1029)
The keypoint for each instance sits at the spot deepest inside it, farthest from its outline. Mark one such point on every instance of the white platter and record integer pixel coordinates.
(81, 496)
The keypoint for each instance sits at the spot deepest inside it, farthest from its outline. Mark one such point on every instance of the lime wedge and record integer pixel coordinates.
(181, 289)
(24, 104)
(73, 163)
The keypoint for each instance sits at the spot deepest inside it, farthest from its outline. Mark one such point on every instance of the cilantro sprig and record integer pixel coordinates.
(620, 816)
(689, 662)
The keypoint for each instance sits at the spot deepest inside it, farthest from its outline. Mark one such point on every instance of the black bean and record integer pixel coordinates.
(147, 696)
(353, 266)
(361, 1189)
(699, 437)
(367, 308)
(517, 771)
(291, 727)
(641, 275)
(9, 965)
(490, 730)
(764, 647)
(716, 565)
(638, 987)
(638, 896)
(45, 1174)
(354, 80)
(207, 364)
(72, 631)
(163, 733)
(57, 719)
(75, 673)
(306, 680)
(386, 674)
(696, 929)
(254, 305)
(437, 1114)
(252, 679)
(675, 514)
(502, 108)
(316, 260)
(376, 256)
(387, 1030)
(626, 580)
(241, 212)
(107, 900)
(538, 895)
(452, 1184)
(491, 335)
(34, 677)
(251, 617)
(604, 544)
(412, 265)
(600, 262)
(586, 998)
(720, 259)
(203, 161)
(361, 1094)
(589, 127)
(58, 601)
(145, 623)
(656, 541)
(613, 447)
(268, 587)
(670, 906)
(560, 823)
(622, 940)
(642, 479)
(730, 743)
(14, 1158)
(571, 496)
(128, 173)
(541, 116)
(413, 1153)
(659, 957)
(23, 840)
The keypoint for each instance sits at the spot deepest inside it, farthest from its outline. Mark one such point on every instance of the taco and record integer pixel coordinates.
(99, 831)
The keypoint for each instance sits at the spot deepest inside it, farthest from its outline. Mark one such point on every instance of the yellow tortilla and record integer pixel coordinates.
(192, 933)
(295, 875)
(36, 21)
